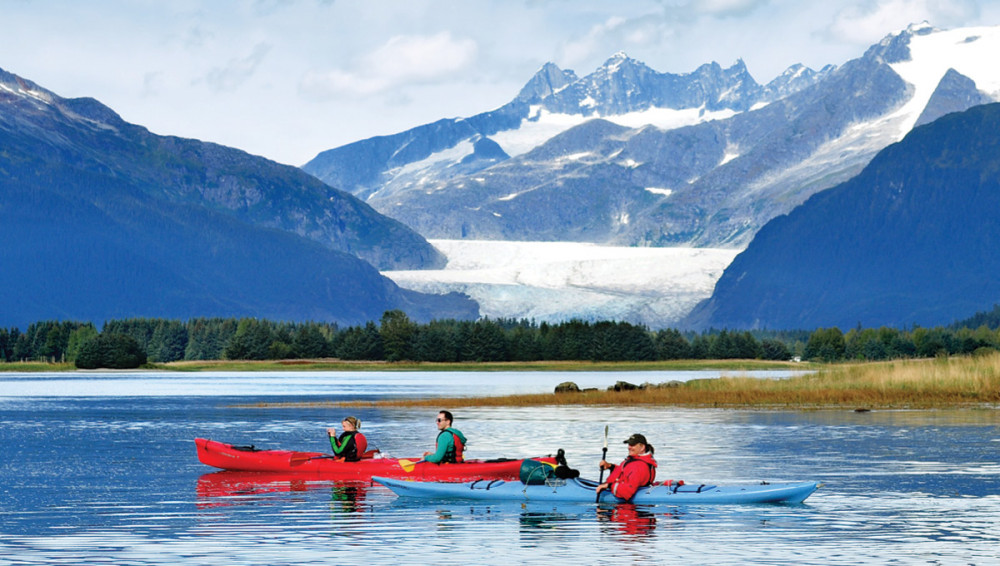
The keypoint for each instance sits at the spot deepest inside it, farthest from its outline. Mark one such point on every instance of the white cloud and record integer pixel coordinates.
(331, 72)
(236, 71)
(725, 8)
(869, 21)
(401, 60)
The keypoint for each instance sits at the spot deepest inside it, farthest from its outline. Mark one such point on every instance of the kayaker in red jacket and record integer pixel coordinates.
(351, 444)
(637, 470)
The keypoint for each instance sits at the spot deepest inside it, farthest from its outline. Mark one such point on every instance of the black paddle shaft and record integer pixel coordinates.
(604, 456)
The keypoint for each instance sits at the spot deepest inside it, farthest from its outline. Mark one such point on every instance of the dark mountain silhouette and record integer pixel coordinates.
(101, 219)
(90, 137)
(910, 240)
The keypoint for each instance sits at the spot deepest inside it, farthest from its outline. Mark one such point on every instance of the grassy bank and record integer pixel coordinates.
(937, 383)
(35, 367)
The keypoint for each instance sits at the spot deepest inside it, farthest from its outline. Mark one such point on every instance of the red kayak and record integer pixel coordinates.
(320, 465)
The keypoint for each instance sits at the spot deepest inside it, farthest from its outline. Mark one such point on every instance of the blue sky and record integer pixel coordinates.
(287, 79)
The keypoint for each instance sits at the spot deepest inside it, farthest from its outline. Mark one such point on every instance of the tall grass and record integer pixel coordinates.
(944, 382)
(25, 367)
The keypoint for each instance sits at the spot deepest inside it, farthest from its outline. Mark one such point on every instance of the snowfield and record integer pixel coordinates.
(558, 281)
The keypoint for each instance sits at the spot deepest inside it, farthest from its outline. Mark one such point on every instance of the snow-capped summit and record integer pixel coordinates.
(630, 155)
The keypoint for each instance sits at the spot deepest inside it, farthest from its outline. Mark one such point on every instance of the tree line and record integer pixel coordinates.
(133, 342)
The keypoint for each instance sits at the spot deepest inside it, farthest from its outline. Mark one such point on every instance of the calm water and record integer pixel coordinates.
(102, 470)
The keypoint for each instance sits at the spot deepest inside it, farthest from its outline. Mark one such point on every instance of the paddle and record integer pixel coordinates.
(297, 459)
(408, 465)
(604, 456)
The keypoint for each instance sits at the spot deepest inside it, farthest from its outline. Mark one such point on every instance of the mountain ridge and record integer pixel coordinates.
(908, 241)
(744, 152)
(101, 219)
(251, 188)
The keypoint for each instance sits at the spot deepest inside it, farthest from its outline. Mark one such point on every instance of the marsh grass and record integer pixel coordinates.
(934, 383)
(35, 367)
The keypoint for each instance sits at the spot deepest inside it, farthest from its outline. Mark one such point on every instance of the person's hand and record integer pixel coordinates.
(601, 488)
(332, 431)
(604, 465)
(426, 454)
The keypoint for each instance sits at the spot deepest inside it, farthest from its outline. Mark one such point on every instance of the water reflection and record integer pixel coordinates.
(122, 484)
(631, 521)
(228, 488)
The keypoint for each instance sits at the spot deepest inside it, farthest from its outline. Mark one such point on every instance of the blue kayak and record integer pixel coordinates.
(583, 491)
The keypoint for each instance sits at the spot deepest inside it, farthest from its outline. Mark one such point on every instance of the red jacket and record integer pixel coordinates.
(635, 472)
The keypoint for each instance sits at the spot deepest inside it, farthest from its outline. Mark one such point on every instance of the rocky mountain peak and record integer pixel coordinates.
(546, 82)
(895, 47)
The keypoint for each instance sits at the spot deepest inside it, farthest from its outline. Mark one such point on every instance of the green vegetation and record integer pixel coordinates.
(456, 344)
(109, 350)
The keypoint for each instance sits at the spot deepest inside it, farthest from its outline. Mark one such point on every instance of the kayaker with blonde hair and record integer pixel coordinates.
(637, 470)
(351, 445)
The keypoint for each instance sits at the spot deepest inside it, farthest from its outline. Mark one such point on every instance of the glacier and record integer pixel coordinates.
(558, 281)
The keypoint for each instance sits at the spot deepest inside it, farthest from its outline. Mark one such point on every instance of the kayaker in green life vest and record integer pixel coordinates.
(351, 444)
(450, 442)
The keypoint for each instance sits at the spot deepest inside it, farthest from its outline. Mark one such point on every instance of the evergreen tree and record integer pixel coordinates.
(771, 349)
(524, 344)
(360, 343)
(700, 346)
(309, 342)
(435, 342)
(22, 347)
(114, 351)
(671, 345)
(6, 346)
(397, 332)
(77, 339)
(252, 341)
(208, 338)
(826, 344)
(722, 347)
(487, 342)
(168, 342)
(930, 342)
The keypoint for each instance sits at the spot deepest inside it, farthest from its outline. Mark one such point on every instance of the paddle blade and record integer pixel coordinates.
(297, 459)
(408, 465)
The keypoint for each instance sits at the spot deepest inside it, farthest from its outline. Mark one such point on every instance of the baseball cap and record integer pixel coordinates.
(636, 439)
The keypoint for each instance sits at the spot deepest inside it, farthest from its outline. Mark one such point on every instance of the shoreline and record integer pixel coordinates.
(332, 364)
(971, 382)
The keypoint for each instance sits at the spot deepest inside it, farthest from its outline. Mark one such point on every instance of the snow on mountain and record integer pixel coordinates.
(558, 281)
(969, 51)
(630, 156)
(928, 56)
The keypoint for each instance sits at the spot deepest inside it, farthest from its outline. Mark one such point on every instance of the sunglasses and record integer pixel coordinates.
(441, 420)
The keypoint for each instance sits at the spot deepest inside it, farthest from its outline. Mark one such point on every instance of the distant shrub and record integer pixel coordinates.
(983, 351)
(113, 351)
